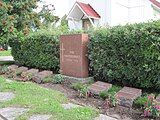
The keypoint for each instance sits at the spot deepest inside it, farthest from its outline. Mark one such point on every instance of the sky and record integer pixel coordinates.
(61, 6)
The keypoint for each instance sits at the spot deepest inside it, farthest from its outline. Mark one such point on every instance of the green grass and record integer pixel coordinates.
(43, 101)
(140, 102)
(5, 53)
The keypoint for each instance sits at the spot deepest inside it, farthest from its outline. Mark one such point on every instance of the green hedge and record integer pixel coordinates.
(127, 54)
(40, 50)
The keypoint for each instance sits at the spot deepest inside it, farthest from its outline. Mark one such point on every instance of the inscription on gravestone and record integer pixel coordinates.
(73, 55)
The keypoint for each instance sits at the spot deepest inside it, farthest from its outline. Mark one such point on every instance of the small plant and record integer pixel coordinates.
(55, 79)
(18, 73)
(82, 89)
(152, 108)
(29, 76)
(110, 92)
(111, 101)
(141, 101)
(3, 69)
(58, 79)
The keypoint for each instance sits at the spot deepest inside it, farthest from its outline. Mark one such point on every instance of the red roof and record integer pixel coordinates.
(155, 2)
(87, 8)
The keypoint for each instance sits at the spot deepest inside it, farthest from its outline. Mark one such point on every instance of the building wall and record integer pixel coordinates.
(130, 11)
(99, 6)
(120, 12)
(75, 25)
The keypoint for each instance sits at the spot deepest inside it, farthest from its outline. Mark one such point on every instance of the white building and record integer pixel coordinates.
(86, 13)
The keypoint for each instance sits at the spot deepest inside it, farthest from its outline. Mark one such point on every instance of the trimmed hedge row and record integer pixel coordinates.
(39, 49)
(127, 54)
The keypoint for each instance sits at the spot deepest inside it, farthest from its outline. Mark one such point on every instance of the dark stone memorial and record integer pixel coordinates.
(73, 55)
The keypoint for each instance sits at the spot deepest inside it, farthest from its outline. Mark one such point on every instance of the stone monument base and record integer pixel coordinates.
(77, 80)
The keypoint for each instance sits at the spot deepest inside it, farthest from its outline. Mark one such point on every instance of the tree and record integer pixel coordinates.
(47, 17)
(20, 16)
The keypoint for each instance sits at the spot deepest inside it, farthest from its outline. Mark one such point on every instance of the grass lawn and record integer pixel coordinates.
(42, 101)
(5, 53)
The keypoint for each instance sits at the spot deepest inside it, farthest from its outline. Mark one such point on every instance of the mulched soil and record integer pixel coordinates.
(119, 112)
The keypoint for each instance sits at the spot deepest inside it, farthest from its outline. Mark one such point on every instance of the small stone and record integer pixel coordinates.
(9, 81)
(99, 87)
(116, 116)
(38, 78)
(70, 105)
(40, 117)
(12, 68)
(104, 117)
(12, 113)
(6, 96)
(127, 95)
(27, 75)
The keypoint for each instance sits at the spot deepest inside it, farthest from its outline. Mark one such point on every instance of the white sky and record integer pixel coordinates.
(61, 6)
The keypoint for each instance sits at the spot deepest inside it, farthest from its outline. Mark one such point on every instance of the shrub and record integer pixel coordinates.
(40, 50)
(127, 54)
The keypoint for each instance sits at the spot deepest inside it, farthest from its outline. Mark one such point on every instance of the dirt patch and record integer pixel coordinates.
(120, 113)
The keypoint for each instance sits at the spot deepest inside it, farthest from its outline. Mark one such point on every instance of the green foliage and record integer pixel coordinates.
(112, 100)
(127, 54)
(39, 49)
(47, 17)
(152, 108)
(55, 79)
(20, 16)
(16, 16)
(3, 69)
(58, 79)
(111, 92)
(81, 88)
(140, 101)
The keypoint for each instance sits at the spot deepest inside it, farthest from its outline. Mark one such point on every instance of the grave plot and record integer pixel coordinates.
(99, 87)
(27, 75)
(127, 95)
(38, 78)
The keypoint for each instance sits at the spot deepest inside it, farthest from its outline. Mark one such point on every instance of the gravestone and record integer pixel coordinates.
(127, 95)
(73, 55)
(98, 87)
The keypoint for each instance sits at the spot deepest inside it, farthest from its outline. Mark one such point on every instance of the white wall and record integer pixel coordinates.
(130, 11)
(75, 24)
